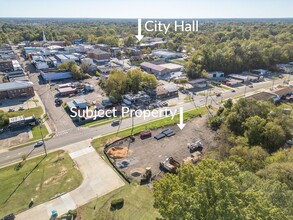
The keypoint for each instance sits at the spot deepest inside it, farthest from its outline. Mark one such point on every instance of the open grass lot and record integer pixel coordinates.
(37, 112)
(54, 174)
(99, 143)
(138, 204)
(180, 61)
(37, 133)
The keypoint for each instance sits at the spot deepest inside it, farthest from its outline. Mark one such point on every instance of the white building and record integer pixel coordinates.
(16, 65)
(215, 74)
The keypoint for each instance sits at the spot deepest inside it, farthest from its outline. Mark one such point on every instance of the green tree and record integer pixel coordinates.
(254, 130)
(249, 158)
(210, 190)
(85, 67)
(274, 137)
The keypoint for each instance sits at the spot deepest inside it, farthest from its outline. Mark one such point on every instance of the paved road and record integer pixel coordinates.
(63, 124)
(98, 179)
(82, 133)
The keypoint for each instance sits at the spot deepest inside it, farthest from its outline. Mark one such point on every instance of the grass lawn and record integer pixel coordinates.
(179, 61)
(138, 204)
(55, 174)
(37, 112)
(99, 143)
(37, 133)
(101, 122)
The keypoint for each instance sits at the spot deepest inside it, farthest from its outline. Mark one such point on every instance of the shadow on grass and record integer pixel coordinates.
(24, 178)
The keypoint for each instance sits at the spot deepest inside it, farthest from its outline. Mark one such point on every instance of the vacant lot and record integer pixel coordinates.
(39, 179)
(137, 155)
(138, 204)
(21, 136)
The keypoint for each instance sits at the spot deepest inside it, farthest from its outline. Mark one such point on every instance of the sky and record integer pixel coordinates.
(147, 8)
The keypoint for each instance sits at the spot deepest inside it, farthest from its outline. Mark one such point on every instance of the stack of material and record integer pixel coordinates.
(194, 158)
(117, 152)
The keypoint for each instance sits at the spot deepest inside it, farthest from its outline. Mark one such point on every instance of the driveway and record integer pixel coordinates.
(98, 179)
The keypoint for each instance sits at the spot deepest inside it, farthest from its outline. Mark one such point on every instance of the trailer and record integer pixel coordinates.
(145, 134)
(170, 165)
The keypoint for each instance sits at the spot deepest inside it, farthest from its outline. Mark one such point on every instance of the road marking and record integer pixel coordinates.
(81, 152)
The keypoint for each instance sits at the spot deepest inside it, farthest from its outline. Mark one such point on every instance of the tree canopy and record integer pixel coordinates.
(213, 190)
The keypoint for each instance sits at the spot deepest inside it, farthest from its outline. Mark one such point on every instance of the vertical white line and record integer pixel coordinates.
(139, 26)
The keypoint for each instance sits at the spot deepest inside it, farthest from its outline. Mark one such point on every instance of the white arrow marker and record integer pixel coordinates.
(181, 125)
(139, 36)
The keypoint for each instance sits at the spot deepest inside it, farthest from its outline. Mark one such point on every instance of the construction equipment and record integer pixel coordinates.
(196, 146)
(170, 165)
(147, 176)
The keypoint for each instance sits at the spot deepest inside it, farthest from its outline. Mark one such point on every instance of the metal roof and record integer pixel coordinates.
(152, 66)
(15, 85)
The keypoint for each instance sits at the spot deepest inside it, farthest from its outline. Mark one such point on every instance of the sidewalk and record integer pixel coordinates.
(98, 179)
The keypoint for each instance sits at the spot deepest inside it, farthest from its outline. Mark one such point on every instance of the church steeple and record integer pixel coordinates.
(44, 37)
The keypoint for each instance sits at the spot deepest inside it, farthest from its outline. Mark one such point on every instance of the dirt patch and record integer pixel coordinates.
(8, 139)
(55, 179)
(118, 152)
(111, 140)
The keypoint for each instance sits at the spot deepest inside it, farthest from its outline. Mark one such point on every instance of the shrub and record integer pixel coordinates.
(117, 204)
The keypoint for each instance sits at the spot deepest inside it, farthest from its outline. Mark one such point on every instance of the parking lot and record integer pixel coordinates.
(133, 157)
(19, 103)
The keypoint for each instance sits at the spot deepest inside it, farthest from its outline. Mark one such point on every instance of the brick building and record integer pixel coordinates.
(6, 65)
(16, 89)
(99, 55)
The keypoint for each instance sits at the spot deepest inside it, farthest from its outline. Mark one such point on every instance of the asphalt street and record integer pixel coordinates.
(83, 133)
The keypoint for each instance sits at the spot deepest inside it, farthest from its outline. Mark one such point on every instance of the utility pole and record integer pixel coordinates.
(40, 127)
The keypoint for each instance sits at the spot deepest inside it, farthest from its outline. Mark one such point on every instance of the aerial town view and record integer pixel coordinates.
(132, 110)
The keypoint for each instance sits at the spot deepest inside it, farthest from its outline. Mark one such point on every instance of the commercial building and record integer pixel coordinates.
(199, 83)
(77, 103)
(54, 75)
(215, 74)
(166, 54)
(99, 55)
(20, 121)
(154, 68)
(172, 67)
(139, 98)
(65, 91)
(103, 47)
(244, 78)
(166, 90)
(15, 74)
(16, 89)
(6, 65)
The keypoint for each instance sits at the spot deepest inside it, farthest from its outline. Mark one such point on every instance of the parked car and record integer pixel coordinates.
(250, 86)
(21, 108)
(39, 144)
(115, 123)
(11, 110)
(58, 101)
(233, 90)
(164, 104)
(218, 95)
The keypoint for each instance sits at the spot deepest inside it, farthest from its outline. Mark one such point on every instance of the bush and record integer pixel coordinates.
(117, 204)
